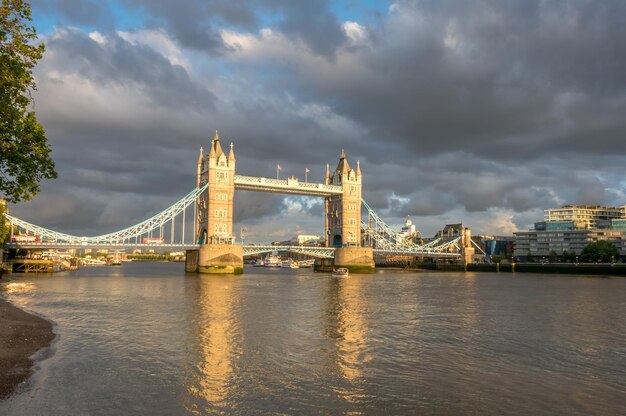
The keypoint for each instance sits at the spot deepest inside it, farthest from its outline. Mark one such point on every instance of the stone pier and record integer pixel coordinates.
(215, 259)
(355, 259)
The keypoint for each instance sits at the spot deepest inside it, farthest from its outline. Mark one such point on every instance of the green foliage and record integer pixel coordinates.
(601, 250)
(529, 257)
(497, 258)
(553, 256)
(24, 151)
(569, 257)
(5, 230)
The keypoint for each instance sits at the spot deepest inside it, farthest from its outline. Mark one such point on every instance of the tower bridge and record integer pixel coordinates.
(354, 233)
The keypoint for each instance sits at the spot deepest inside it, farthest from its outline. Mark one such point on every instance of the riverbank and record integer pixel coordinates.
(23, 334)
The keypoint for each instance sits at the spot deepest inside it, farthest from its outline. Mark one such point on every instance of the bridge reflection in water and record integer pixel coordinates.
(213, 344)
(347, 328)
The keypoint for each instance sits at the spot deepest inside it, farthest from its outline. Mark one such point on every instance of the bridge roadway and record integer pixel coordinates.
(248, 249)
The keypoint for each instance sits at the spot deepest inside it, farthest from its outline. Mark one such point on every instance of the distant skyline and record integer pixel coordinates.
(480, 111)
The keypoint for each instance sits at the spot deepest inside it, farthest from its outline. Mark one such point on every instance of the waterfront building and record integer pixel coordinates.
(302, 240)
(571, 228)
(581, 217)
(495, 244)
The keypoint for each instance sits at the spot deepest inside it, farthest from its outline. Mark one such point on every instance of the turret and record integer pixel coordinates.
(200, 156)
(216, 147)
(231, 155)
(358, 168)
(327, 177)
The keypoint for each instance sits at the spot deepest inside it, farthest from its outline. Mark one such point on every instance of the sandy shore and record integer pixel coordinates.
(21, 335)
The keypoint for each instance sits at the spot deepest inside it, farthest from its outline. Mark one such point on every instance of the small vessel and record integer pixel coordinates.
(289, 264)
(272, 261)
(340, 272)
(114, 261)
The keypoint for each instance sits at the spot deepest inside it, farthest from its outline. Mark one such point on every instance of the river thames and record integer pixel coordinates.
(145, 338)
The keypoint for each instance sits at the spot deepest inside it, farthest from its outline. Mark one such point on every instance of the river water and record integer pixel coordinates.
(146, 339)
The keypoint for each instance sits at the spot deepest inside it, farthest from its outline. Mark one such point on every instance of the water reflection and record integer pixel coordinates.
(212, 344)
(347, 328)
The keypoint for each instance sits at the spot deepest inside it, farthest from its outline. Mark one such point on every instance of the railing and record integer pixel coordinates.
(320, 252)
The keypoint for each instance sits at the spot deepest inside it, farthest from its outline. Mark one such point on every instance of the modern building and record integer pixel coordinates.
(571, 228)
(581, 217)
(303, 240)
(495, 244)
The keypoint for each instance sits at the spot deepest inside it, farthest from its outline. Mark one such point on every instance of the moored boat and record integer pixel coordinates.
(272, 261)
(340, 272)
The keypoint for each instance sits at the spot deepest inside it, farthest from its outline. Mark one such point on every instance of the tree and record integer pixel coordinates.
(553, 256)
(4, 227)
(24, 152)
(602, 250)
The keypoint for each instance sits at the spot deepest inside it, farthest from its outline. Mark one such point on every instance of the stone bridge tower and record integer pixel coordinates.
(343, 218)
(215, 207)
(214, 221)
(343, 212)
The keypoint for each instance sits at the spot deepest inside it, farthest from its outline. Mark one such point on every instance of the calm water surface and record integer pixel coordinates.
(144, 338)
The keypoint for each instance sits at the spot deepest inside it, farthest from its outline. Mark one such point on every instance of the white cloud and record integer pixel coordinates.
(98, 37)
(355, 32)
(161, 42)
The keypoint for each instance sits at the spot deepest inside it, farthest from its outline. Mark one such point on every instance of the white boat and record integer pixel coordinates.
(289, 264)
(340, 272)
(272, 261)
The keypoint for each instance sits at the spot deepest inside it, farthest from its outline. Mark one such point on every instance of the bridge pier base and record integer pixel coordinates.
(355, 259)
(215, 259)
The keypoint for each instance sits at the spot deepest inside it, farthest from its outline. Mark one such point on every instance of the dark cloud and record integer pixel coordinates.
(481, 111)
(196, 24)
(313, 23)
(118, 63)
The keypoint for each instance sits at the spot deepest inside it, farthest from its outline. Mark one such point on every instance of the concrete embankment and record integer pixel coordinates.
(617, 269)
(556, 268)
(22, 335)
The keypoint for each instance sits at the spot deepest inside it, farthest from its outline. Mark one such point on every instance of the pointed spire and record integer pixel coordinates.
(231, 155)
(200, 155)
(216, 148)
(343, 167)
(212, 151)
(358, 168)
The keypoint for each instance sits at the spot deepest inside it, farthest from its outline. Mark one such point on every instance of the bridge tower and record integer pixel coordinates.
(343, 212)
(214, 220)
(343, 218)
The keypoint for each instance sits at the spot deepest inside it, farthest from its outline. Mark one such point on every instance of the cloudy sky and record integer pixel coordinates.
(480, 111)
